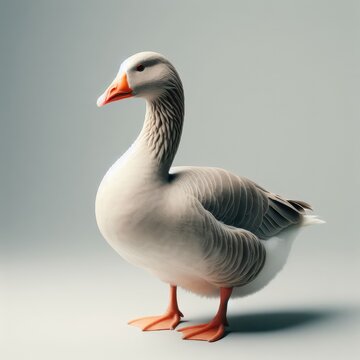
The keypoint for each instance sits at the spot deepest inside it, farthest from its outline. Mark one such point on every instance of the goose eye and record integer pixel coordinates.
(140, 68)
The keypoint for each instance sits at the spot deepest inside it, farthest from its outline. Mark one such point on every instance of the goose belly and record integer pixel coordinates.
(152, 238)
(277, 252)
(173, 258)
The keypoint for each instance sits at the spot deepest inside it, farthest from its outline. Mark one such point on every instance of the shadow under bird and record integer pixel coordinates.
(201, 228)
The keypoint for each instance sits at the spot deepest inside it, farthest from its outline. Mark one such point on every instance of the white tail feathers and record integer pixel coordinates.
(311, 219)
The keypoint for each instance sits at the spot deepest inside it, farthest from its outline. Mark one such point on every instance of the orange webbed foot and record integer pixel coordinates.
(212, 331)
(215, 329)
(168, 321)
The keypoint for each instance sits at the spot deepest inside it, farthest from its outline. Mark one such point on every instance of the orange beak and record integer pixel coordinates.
(118, 89)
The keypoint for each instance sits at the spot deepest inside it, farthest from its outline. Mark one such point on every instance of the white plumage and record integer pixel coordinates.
(203, 229)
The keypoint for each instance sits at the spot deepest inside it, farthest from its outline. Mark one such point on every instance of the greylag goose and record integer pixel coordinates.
(201, 228)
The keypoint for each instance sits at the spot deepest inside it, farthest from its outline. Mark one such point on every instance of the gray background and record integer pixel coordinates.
(275, 81)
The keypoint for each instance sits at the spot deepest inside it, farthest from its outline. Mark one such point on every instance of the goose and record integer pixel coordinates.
(203, 229)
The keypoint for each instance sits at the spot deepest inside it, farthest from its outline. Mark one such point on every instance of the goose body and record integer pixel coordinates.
(204, 229)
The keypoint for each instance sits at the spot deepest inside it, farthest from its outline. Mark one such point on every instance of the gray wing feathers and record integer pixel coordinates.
(280, 214)
(233, 256)
(241, 258)
(239, 202)
(230, 198)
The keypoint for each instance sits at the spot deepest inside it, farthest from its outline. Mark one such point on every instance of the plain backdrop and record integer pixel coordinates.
(272, 93)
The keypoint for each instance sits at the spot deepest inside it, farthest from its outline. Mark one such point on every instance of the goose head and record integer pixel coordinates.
(145, 74)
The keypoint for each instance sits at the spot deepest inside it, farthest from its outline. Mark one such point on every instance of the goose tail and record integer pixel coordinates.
(304, 208)
(311, 220)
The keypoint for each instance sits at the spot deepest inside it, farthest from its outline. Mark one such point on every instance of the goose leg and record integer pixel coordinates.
(215, 329)
(168, 321)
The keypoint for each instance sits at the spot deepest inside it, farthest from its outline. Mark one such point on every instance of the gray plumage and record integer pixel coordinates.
(239, 213)
(238, 201)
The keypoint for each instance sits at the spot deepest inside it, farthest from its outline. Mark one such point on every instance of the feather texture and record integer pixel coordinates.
(197, 227)
(237, 201)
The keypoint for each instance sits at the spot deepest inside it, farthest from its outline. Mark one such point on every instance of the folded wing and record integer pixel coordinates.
(239, 202)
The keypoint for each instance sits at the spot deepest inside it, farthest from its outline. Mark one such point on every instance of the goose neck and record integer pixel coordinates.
(163, 126)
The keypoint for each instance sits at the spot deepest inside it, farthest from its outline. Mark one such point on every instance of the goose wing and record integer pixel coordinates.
(237, 201)
(232, 257)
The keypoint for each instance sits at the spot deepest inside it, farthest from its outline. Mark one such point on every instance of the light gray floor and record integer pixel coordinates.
(76, 307)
